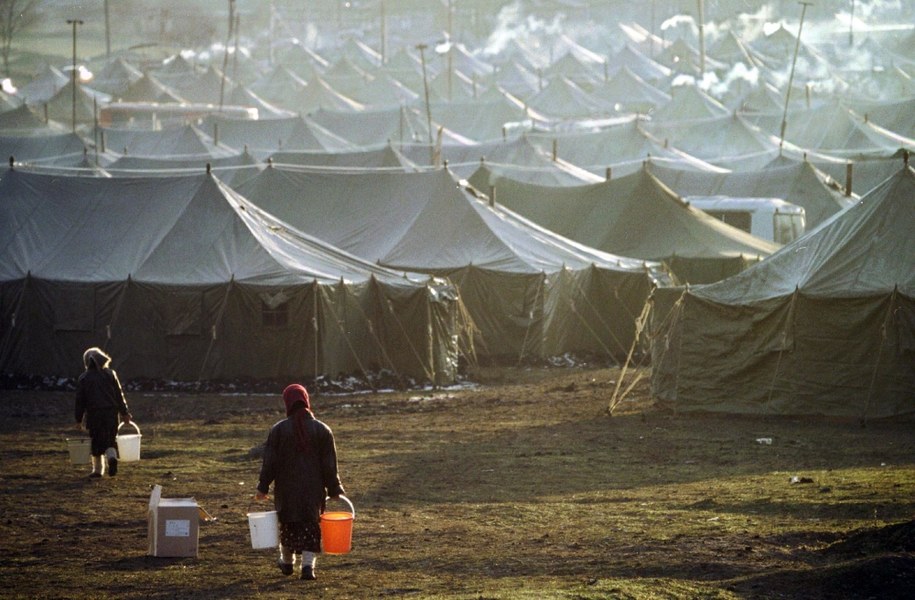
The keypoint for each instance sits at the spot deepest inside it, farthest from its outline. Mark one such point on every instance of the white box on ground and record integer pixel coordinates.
(174, 525)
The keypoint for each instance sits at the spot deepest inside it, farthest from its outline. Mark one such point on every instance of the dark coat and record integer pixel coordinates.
(99, 390)
(302, 480)
(100, 398)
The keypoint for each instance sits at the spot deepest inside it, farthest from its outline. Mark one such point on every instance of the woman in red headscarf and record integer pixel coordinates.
(300, 460)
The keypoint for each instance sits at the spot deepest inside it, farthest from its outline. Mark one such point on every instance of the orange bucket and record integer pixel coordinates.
(337, 529)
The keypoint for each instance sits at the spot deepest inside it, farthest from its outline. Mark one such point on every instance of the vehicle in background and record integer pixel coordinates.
(771, 219)
(154, 114)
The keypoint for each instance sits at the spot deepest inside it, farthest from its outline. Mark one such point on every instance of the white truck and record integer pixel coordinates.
(771, 219)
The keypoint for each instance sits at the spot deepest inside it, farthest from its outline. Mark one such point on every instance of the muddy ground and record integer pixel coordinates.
(519, 485)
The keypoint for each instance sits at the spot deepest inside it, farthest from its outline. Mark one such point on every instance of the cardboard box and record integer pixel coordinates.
(174, 525)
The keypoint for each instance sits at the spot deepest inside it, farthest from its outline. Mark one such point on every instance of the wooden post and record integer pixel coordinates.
(848, 179)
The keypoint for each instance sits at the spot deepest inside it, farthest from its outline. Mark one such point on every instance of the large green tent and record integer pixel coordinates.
(182, 278)
(530, 292)
(825, 326)
(635, 216)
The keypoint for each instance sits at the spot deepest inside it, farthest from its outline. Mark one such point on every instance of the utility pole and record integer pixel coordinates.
(651, 38)
(225, 54)
(73, 77)
(851, 25)
(797, 47)
(450, 52)
(235, 54)
(422, 59)
(107, 33)
(384, 56)
(701, 39)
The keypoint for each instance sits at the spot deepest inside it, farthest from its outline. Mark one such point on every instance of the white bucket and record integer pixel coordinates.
(80, 450)
(129, 444)
(265, 529)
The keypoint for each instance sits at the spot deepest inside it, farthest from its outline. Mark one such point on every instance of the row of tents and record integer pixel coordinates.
(334, 274)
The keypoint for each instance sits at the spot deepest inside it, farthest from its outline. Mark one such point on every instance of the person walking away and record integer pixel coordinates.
(300, 460)
(100, 401)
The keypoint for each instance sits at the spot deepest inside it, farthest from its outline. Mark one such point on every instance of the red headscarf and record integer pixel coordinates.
(294, 395)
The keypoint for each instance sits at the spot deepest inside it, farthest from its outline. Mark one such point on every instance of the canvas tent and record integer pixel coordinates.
(800, 183)
(636, 216)
(42, 147)
(229, 168)
(186, 142)
(825, 326)
(529, 292)
(181, 278)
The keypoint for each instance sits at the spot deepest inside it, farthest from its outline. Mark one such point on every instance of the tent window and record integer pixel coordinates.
(274, 316)
(77, 312)
(184, 313)
(739, 219)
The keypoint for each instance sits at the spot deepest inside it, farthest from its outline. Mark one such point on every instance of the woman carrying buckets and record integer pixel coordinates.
(100, 399)
(300, 460)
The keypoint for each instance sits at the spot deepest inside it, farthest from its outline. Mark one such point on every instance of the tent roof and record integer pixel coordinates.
(419, 222)
(689, 102)
(279, 85)
(618, 146)
(728, 141)
(373, 127)
(518, 156)
(41, 147)
(801, 184)
(43, 86)
(227, 169)
(180, 230)
(865, 250)
(263, 137)
(21, 120)
(320, 94)
(181, 142)
(641, 65)
(149, 89)
(629, 89)
(564, 99)
(635, 216)
(354, 160)
(116, 76)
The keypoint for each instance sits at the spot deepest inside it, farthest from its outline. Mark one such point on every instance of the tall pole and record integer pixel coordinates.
(450, 51)
(107, 33)
(235, 54)
(701, 39)
(225, 54)
(851, 25)
(797, 47)
(73, 77)
(422, 59)
(651, 46)
(270, 41)
(384, 57)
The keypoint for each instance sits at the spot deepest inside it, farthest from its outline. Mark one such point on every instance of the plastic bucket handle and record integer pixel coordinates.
(135, 426)
(352, 509)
